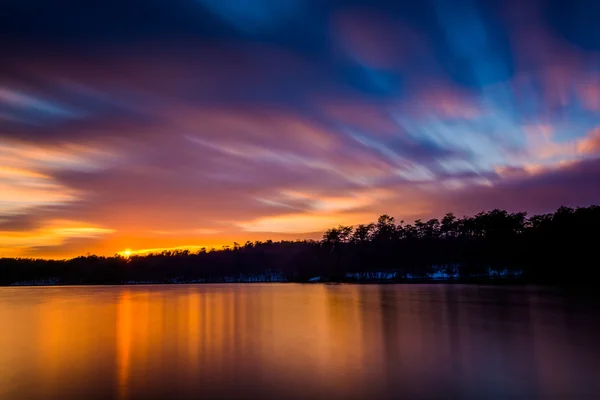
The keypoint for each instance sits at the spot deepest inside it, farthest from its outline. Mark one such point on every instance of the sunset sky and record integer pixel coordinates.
(160, 124)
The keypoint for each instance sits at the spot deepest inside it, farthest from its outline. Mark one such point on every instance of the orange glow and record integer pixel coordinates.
(130, 252)
(123, 342)
(590, 144)
(53, 233)
(301, 222)
(62, 201)
(124, 322)
(25, 181)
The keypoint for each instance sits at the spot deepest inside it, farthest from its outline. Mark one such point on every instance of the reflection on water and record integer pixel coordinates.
(297, 341)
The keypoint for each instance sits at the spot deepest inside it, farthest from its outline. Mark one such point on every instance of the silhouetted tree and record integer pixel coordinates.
(557, 247)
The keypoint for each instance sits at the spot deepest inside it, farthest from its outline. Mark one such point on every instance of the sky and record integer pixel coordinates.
(188, 123)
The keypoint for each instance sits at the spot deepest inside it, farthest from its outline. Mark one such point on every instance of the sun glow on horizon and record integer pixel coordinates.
(129, 252)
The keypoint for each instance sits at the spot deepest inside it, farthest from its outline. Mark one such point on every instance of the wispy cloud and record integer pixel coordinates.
(223, 121)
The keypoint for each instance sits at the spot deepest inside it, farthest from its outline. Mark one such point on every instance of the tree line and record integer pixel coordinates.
(558, 247)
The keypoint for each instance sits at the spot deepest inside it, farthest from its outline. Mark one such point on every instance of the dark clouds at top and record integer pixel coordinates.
(161, 124)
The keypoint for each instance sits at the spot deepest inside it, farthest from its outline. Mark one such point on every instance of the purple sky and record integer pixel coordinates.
(144, 125)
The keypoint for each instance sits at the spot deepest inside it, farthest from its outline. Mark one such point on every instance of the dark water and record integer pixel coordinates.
(297, 342)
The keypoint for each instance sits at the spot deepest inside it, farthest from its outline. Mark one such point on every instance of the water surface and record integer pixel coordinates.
(290, 341)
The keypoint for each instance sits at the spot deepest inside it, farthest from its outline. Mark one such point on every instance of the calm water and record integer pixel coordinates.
(297, 342)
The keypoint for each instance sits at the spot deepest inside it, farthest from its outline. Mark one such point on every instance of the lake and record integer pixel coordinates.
(288, 341)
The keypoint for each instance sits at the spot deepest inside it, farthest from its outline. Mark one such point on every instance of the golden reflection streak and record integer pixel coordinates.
(52, 343)
(124, 326)
(347, 339)
(194, 338)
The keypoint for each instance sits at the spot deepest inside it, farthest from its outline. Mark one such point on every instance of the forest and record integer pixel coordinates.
(492, 246)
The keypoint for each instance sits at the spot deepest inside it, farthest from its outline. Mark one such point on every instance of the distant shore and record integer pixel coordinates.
(503, 280)
(490, 247)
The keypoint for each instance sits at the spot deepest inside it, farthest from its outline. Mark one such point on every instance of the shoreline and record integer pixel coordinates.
(490, 282)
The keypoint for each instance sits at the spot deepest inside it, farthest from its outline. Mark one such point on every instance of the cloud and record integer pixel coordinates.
(52, 233)
(590, 145)
(573, 184)
(26, 178)
(203, 123)
(23, 107)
